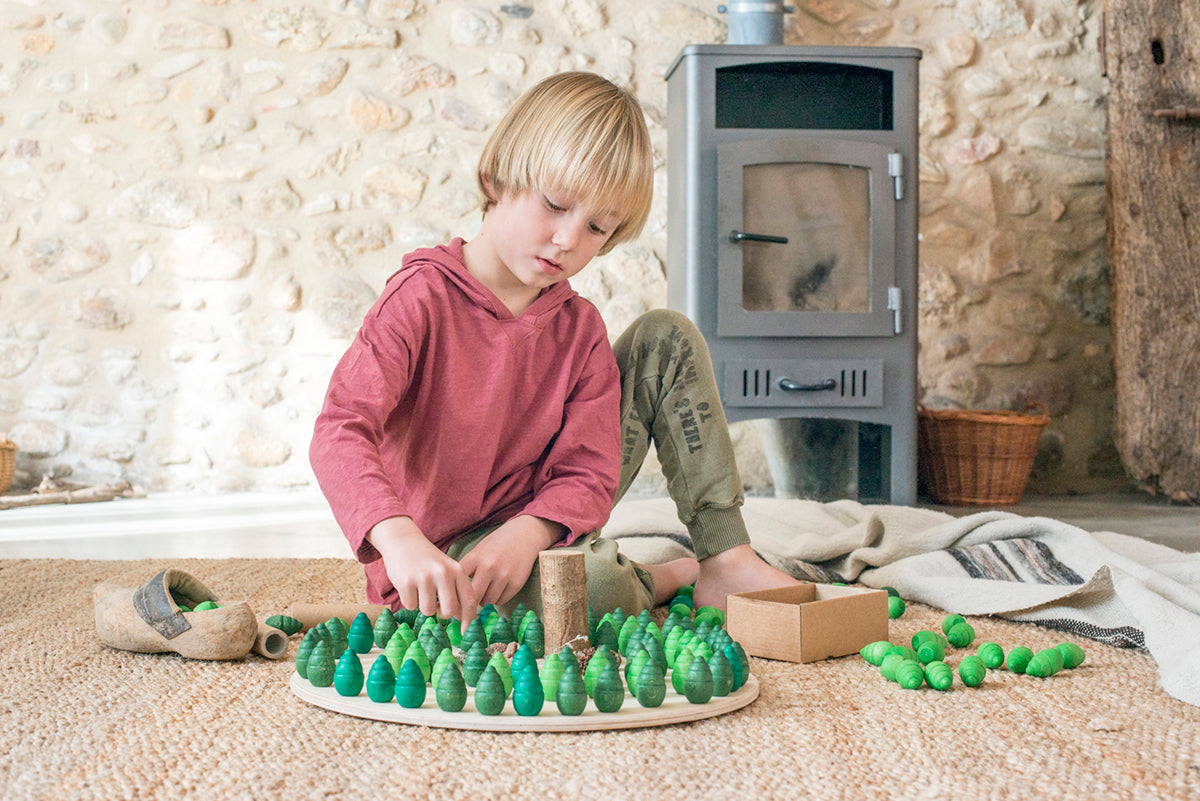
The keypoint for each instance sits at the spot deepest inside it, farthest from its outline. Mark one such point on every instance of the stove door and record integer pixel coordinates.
(806, 238)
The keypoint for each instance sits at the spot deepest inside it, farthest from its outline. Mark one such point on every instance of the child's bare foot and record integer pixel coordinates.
(670, 576)
(735, 570)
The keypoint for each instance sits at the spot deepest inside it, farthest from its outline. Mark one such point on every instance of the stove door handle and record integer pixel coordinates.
(737, 237)
(789, 385)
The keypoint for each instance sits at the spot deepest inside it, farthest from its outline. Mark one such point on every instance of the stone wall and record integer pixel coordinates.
(200, 198)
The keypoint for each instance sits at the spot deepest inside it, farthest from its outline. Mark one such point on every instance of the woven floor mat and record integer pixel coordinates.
(82, 721)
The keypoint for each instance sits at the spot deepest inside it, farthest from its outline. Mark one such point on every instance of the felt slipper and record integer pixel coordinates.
(148, 619)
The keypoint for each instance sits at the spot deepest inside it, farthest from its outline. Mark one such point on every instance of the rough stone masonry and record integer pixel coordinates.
(200, 198)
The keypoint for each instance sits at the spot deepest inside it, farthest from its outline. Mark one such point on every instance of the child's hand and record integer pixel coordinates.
(425, 578)
(501, 563)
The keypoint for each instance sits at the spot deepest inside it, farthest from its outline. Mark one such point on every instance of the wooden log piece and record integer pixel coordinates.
(310, 615)
(564, 597)
(270, 642)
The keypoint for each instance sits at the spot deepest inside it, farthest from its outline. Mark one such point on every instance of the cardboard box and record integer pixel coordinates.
(807, 622)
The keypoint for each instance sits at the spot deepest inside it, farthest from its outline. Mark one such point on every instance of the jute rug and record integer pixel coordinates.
(81, 721)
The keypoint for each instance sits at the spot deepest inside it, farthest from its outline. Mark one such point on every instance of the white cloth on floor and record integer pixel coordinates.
(1106, 586)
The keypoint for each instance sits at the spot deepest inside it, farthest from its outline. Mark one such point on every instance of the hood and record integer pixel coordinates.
(448, 260)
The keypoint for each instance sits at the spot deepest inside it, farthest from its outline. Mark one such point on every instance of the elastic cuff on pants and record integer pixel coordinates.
(715, 529)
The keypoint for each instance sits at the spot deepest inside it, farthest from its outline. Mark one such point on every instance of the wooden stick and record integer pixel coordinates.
(564, 597)
(100, 492)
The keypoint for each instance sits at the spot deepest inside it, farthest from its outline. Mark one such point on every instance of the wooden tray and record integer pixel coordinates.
(675, 709)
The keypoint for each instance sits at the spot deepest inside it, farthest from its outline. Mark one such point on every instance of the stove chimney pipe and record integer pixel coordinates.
(755, 23)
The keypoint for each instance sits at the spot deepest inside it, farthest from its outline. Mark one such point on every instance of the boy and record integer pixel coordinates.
(480, 417)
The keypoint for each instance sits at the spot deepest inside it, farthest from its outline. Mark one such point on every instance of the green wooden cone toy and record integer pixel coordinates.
(321, 665)
(683, 610)
(451, 694)
(348, 676)
(991, 653)
(633, 667)
(679, 672)
(490, 694)
(285, 623)
(698, 687)
(416, 652)
(304, 652)
(625, 632)
(523, 657)
(592, 672)
(743, 658)
(651, 686)
(571, 697)
(445, 659)
(474, 663)
(381, 681)
(910, 675)
(395, 651)
(551, 672)
(568, 658)
(618, 617)
(473, 633)
(722, 674)
(1072, 654)
(972, 670)
(875, 652)
(516, 619)
(385, 626)
(535, 637)
(526, 620)
(410, 686)
(504, 670)
(609, 693)
(735, 667)
(502, 631)
(939, 676)
(654, 648)
(1018, 658)
(961, 635)
(671, 644)
(931, 651)
(528, 695)
(361, 636)
(606, 635)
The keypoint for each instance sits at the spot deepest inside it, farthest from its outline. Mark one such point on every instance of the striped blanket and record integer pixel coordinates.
(1109, 587)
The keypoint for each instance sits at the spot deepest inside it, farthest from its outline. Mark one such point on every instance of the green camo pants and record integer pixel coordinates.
(668, 396)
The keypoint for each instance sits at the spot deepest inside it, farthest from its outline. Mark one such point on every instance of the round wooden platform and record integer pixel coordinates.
(675, 709)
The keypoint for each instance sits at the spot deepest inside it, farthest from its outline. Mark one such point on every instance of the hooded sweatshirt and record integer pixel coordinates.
(449, 410)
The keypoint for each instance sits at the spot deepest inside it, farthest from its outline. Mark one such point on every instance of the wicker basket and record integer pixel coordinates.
(8, 463)
(977, 457)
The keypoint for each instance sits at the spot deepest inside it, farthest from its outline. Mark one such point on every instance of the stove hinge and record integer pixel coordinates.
(894, 306)
(896, 171)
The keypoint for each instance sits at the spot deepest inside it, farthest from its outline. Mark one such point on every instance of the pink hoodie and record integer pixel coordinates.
(448, 409)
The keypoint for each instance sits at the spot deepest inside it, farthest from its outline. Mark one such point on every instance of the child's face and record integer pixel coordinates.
(544, 237)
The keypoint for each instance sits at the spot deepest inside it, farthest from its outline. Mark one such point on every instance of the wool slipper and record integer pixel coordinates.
(148, 619)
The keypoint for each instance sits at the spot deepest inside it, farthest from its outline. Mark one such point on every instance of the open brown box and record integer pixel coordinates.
(807, 622)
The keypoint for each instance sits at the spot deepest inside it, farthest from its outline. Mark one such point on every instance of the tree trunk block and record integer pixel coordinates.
(564, 597)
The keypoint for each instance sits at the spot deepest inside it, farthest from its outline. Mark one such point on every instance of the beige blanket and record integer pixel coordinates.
(1105, 586)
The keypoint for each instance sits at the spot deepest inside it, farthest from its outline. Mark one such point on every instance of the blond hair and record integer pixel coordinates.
(577, 133)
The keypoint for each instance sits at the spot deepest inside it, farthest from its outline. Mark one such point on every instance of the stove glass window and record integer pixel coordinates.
(807, 243)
